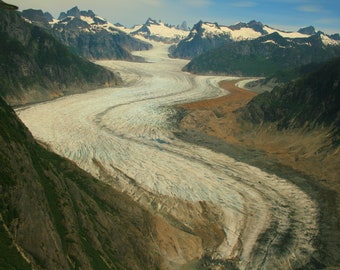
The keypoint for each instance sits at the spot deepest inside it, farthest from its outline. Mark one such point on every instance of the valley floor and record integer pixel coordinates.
(224, 211)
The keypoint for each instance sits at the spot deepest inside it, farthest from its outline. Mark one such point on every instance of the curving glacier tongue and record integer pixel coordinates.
(124, 136)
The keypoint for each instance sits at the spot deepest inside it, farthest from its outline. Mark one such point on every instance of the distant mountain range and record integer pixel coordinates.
(205, 36)
(252, 49)
(88, 34)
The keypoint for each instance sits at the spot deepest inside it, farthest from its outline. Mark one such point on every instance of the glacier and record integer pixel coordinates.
(125, 137)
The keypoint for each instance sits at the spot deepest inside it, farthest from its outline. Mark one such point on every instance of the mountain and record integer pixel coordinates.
(89, 35)
(309, 102)
(206, 36)
(202, 37)
(36, 67)
(53, 215)
(309, 30)
(160, 31)
(265, 55)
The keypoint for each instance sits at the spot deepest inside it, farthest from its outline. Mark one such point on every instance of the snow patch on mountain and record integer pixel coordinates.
(284, 34)
(244, 34)
(329, 41)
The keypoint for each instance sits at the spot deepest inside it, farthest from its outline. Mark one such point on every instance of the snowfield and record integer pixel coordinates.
(128, 131)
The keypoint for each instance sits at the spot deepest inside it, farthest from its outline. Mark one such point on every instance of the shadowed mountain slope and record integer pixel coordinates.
(309, 102)
(35, 67)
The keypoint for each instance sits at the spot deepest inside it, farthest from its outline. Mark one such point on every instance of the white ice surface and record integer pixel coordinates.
(128, 129)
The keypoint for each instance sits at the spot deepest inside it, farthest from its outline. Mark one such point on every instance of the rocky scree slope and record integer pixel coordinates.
(53, 215)
(263, 56)
(36, 67)
(88, 34)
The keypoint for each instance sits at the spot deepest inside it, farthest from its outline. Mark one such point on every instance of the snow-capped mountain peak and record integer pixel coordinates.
(237, 32)
(86, 21)
(159, 31)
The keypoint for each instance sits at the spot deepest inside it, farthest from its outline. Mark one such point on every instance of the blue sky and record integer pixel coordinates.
(288, 15)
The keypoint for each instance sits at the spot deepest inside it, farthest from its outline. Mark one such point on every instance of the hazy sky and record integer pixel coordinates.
(324, 15)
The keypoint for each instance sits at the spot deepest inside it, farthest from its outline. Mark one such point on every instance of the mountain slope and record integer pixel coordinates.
(203, 37)
(263, 56)
(311, 102)
(36, 67)
(89, 35)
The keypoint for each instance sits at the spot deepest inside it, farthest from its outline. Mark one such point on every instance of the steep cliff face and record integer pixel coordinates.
(35, 67)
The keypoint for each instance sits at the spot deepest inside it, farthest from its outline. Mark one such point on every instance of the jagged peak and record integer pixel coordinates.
(200, 26)
(253, 24)
(151, 21)
(75, 12)
(309, 30)
(88, 13)
(48, 16)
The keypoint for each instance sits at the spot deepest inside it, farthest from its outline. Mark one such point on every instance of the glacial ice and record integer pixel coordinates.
(128, 129)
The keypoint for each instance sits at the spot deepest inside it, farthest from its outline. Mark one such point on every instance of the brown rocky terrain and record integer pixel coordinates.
(290, 152)
(297, 148)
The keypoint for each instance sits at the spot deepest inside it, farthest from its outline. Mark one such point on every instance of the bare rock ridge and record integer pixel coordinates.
(33, 70)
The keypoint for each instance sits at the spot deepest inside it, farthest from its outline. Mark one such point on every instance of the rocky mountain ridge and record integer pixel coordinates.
(89, 35)
(206, 36)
